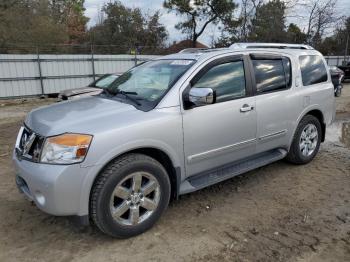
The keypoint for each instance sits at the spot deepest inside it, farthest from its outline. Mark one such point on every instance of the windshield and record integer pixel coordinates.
(105, 81)
(150, 81)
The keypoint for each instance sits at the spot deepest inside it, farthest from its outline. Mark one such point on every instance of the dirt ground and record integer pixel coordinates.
(280, 212)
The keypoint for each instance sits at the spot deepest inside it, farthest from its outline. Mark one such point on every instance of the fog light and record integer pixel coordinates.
(40, 198)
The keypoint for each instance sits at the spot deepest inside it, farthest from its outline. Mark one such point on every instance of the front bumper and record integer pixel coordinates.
(55, 189)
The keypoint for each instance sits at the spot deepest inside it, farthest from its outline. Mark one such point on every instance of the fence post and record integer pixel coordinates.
(40, 73)
(346, 49)
(93, 62)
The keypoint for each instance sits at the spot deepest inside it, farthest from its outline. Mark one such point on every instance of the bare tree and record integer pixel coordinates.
(321, 16)
(248, 13)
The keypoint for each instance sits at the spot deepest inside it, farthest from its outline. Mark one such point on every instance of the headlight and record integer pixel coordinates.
(65, 149)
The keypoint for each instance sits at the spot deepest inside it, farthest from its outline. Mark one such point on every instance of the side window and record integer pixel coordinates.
(272, 74)
(227, 80)
(313, 70)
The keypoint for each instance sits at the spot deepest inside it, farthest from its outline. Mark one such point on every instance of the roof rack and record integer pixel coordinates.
(270, 45)
(192, 50)
(201, 50)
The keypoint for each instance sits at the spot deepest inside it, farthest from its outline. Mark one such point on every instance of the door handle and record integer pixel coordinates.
(246, 108)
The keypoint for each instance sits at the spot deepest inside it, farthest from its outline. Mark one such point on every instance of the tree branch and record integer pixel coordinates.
(206, 24)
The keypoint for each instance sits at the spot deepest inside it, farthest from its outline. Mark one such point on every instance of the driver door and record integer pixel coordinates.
(225, 131)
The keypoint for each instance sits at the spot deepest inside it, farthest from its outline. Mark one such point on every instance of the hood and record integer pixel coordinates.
(86, 115)
(79, 91)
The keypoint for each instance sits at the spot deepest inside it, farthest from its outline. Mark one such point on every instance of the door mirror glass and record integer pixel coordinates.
(201, 96)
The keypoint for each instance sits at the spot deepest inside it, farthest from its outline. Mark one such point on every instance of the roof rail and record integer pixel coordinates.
(192, 50)
(270, 45)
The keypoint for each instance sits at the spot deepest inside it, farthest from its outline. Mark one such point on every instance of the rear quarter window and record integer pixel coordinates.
(313, 70)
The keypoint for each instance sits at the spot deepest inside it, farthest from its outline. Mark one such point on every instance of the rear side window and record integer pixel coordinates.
(227, 80)
(313, 70)
(272, 74)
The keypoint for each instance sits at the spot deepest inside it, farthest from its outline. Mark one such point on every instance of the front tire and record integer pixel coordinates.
(306, 141)
(129, 196)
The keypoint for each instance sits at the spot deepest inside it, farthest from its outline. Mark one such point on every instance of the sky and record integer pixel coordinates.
(170, 19)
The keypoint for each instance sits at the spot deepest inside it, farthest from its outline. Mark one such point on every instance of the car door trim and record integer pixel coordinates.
(272, 135)
(218, 151)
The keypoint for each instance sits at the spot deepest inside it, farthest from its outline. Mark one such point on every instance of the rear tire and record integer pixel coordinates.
(338, 92)
(306, 141)
(129, 196)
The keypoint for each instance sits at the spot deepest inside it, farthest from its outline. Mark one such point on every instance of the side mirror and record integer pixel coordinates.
(201, 96)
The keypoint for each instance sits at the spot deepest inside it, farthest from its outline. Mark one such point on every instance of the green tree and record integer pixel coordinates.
(29, 23)
(336, 43)
(295, 35)
(156, 34)
(70, 13)
(269, 23)
(200, 13)
(129, 28)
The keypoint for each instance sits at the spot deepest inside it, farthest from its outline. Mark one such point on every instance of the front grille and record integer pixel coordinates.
(30, 145)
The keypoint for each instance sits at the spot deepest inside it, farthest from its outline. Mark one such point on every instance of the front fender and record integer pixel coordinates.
(94, 170)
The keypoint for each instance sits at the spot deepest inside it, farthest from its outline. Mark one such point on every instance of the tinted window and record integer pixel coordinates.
(271, 75)
(313, 70)
(226, 79)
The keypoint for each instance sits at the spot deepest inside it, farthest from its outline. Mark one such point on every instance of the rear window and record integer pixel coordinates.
(272, 74)
(313, 70)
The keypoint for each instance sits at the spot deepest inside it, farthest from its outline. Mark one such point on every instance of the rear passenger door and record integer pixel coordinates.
(272, 80)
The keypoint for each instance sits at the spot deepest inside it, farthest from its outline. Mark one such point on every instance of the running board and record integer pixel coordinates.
(214, 176)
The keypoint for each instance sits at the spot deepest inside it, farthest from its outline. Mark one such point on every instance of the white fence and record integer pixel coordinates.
(25, 75)
(336, 60)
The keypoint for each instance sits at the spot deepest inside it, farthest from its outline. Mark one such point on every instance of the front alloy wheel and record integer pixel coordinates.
(135, 198)
(129, 195)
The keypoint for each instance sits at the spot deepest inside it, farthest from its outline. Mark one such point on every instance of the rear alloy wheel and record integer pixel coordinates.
(129, 196)
(306, 141)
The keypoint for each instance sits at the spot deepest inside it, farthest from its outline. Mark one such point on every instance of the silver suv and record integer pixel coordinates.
(172, 126)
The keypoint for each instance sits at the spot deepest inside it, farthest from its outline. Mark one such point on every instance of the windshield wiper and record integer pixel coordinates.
(127, 95)
(107, 92)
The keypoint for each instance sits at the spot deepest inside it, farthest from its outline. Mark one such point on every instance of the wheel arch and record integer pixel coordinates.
(164, 159)
(319, 115)
(161, 156)
(316, 113)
